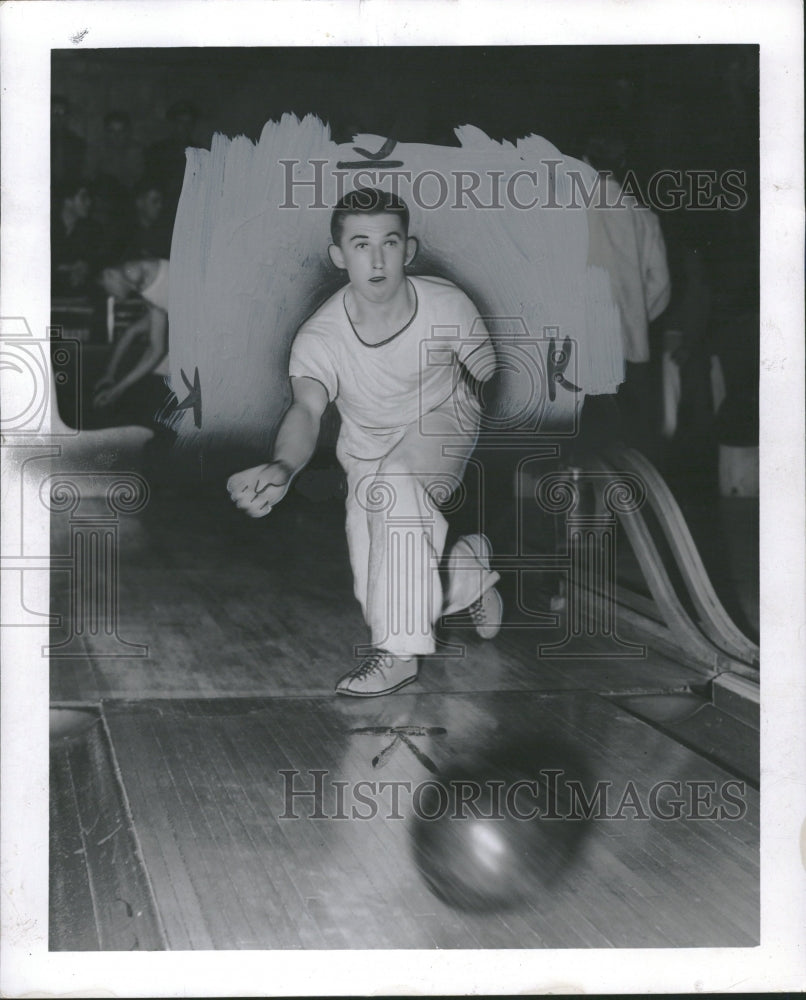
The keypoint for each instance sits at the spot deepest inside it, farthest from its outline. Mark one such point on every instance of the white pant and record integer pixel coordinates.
(396, 533)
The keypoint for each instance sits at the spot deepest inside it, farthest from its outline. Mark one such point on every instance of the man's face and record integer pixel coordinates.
(149, 205)
(183, 126)
(374, 251)
(116, 132)
(81, 203)
(114, 284)
(58, 116)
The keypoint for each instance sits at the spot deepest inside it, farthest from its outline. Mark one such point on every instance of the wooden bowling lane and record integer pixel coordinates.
(713, 732)
(225, 606)
(99, 896)
(203, 781)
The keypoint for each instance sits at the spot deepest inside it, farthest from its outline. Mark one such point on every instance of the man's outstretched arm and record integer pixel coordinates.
(257, 490)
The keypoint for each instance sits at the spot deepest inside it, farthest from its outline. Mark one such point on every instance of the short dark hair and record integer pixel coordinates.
(69, 188)
(608, 151)
(367, 201)
(146, 184)
(118, 261)
(181, 109)
(120, 117)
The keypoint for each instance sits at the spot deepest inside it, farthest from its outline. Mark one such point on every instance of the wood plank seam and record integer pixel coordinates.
(138, 851)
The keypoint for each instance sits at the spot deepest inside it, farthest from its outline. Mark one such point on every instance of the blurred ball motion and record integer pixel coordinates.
(493, 832)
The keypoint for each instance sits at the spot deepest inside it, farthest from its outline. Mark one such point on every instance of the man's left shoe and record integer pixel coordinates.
(487, 613)
(379, 673)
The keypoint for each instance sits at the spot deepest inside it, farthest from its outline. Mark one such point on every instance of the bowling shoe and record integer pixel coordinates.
(379, 673)
(469, 572)
(487, 613)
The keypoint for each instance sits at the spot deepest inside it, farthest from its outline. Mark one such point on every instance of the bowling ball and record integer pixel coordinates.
(491, 832)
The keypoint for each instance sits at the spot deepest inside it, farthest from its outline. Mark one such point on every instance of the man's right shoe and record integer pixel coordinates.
(379, 673)
(469, 572)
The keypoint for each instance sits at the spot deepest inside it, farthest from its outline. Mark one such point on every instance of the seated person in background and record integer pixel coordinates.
(118, 156)
(687, 427)
(629, 245)
(110, 218)
(74, 240)
(149, 234)
(165, 159)
(67, 149)
(142, 395)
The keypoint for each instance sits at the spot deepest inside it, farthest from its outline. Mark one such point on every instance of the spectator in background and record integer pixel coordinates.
(165, 159)
(74, 240)
(150, 232)
(118, 156)
(733, 258)
(687, 425)
(67, 149)
(140, 393)
(110, 215)
(629, 245)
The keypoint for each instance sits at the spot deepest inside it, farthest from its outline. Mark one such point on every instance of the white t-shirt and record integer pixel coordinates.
(381, 389)
(156, 294)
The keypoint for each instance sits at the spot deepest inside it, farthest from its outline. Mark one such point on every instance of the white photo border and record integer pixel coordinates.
(27, 34)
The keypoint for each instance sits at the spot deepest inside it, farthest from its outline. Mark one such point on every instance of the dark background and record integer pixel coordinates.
(689, 107)
(676, 107)
(684, 105)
